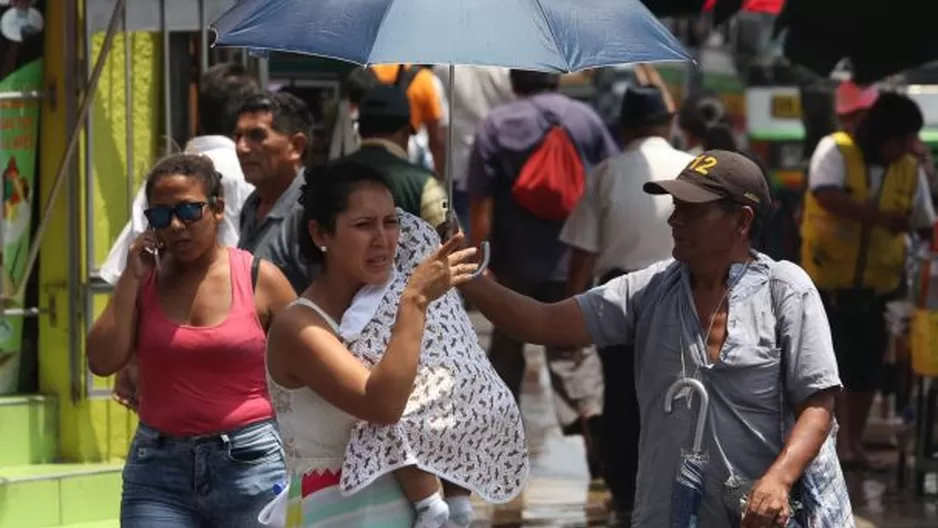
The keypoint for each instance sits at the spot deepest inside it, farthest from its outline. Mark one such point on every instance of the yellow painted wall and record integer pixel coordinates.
(92, 430)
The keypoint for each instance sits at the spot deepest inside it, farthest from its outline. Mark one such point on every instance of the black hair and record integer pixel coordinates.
(291, 114)
(524, 82)
(326, 194)
(699, 112)
(719, 136)
(222, 89)
(191, 165)
(892, 115)
(357, 84)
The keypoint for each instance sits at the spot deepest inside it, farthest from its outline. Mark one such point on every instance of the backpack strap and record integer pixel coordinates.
(551, 118)
(405, 76)
(255, 271)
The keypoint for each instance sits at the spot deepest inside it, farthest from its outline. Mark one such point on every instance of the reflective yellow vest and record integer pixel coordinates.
(840, 253)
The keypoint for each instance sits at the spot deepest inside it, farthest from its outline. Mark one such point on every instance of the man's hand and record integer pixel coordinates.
(768, 504)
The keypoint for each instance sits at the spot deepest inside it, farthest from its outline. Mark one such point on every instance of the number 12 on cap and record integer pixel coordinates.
(703, 164)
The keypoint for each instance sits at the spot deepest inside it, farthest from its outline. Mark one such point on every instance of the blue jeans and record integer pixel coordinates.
(217, 480)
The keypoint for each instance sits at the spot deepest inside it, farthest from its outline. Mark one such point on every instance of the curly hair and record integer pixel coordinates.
(186, 164)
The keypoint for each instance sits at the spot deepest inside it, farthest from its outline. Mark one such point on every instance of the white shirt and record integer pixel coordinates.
(829, 169)
(221, 150)
(477, 90)
(615, 219)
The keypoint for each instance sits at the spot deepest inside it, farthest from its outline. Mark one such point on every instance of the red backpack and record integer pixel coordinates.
(552, 179)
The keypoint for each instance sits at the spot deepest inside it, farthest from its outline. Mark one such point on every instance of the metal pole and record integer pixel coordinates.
(76, 79)
(203, 38)
(74, 135)
(167, 96)
(263, 72)
(450, 184)
(128, 122)
(81, 234)
(3, 237)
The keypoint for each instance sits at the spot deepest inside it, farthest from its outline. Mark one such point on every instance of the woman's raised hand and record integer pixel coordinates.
(448, 266)
(143, 255)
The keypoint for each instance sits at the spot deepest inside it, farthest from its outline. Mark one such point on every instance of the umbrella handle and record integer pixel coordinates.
(698, 387)
(484, 263)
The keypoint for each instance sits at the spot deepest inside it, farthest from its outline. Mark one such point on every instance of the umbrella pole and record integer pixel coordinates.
(450, 82)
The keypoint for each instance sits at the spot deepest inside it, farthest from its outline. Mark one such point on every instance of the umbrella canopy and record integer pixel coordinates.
(688, 490)
(879, 39)
(543, 35)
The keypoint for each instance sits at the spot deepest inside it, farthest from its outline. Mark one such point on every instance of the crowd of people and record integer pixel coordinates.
(295, 338)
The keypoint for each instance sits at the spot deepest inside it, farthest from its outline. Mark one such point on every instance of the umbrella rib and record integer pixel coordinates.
(553, 36)
(384, 17)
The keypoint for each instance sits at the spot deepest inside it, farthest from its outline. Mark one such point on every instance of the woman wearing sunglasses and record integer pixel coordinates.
(195, 315)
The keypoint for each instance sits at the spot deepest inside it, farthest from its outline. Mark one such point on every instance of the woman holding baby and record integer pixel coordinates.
(378, 382)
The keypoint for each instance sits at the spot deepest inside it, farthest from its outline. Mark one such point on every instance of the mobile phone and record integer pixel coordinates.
(155, 251)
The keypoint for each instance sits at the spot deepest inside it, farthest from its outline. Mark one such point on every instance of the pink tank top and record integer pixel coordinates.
(203, 380)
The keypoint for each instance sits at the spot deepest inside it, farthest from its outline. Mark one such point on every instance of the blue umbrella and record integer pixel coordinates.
(689, 483)
(541, 35)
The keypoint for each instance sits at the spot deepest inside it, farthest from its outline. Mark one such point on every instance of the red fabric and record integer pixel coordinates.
(552, 179)
(318, 480)
(772, 7)
(203, 380)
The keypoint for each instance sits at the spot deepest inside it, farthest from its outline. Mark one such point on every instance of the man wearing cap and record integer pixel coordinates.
(425, 97)
(384, 124)
(614, 229)
(852, 102)
(867, 192)
(752, 330)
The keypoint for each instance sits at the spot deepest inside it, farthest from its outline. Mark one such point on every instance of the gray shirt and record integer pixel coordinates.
(276, 236)
(768, 347)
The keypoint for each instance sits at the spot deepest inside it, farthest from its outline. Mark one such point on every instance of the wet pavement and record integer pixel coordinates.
(558, 493)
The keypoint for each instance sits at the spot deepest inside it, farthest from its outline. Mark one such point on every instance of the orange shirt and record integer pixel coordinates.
(426, 108)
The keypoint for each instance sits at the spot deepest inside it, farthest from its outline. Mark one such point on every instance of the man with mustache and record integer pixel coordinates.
(752, 330)
(272, 137)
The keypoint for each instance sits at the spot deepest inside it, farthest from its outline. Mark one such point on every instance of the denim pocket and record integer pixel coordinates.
(255, 446)
(144, 447)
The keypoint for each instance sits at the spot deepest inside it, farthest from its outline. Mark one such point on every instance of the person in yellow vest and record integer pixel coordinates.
(866, 193)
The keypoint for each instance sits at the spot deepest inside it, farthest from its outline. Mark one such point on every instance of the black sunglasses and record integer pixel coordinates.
(161, 216)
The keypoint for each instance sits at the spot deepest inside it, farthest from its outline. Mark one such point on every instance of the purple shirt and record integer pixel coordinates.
(525, 248)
